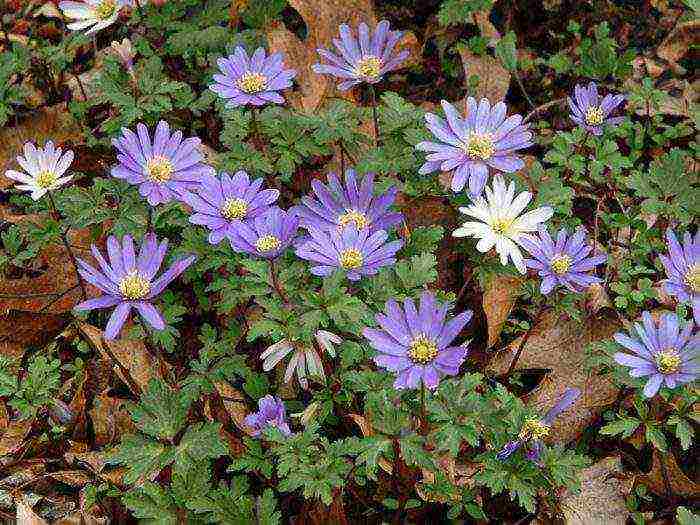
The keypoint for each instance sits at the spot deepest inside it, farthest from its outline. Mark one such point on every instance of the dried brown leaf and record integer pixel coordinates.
(666, 478)
(134, 362)
(235, 405)
(557, 344)
(13, 437)
(498, 301)
(678, 43)
(110, 419)
(601, 500)
(493, 78)
(25, 514)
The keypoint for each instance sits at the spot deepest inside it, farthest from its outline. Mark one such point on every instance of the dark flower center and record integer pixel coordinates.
(594, 116)
(134, 287)
(422, 350)
(668, 361)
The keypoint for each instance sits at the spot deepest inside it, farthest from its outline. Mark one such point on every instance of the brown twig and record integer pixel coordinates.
(71, 255)
(276, 284)
(524, 340)
(541, 108)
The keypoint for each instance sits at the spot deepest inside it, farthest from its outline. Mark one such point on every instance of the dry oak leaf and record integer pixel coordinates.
(557, 344)
(601, 500)
(110, 419)
(13, 437)
(135, 362)
(678, 483)
(235, 405)
(19, 330)
(678, 43)
(322, 18)
(493, 78)
(498, 301)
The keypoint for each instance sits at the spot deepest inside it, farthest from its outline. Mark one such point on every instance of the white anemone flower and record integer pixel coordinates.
(500, 223)
(305, 361)
(92, 14)
(44, 168)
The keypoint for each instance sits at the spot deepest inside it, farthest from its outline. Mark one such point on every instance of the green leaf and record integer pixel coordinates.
(656, 437)
(162, 411)
(624, 427)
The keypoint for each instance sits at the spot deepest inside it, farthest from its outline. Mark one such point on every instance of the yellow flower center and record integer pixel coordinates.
(45, 179)
(159, 169)
(668, 361)
(594, 116)
(533, 429)
(692, 277)
(357, 217)
(134, 287)
(561, 264)
(234, 209)
(422, 350)
(106, 9)
(479, 146)
(267, 243)
(351, 259)
(369, 67)
(501, 226)
(252, 82)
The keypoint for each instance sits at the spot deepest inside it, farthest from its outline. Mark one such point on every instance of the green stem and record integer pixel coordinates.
(66, 244)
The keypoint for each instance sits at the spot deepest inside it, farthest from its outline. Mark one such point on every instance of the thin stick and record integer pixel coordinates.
(71, 255)
(541, 108)
(276, 284)
(80, 85)
(522, 344)
(522, 88)
(375, 117)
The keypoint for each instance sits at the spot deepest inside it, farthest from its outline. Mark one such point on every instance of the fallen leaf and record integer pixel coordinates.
(493, 78)
(235, 405)
(96, 462)
(12, 440)
(134, 363)
(110, 419)
(498, 301)
(557, 344)
(25, 514)
(21, 330)
(601, 500)
(74, 478)
(665, 467)
(597, 298)
(678, 43)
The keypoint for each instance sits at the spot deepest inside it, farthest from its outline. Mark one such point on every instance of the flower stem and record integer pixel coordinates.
(423, 416)
(524, 340)
(66, 244)
(375, 117)
(276, 284)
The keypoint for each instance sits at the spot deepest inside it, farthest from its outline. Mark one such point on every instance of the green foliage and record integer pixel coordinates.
(35, 390)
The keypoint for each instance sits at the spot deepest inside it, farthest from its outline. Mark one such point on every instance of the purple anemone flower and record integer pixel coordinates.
(252, 81)
(357, 252)
(664, 352)
(271, 413)
(267, 235)
(591, 113)
(564, 263)
(337, 205)
(469, 146)
(415, 343)
(219, 203)
(535, 429)
(683, 269)
(128, 281)
(364, 59)
(162, 168)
